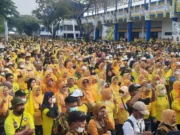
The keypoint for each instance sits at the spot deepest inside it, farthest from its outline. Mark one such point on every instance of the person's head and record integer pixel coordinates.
(9, 77)
(65, 73)
(134, 89)
(124, 92)
(139, 110)
(99, 111)
(169, 117)
(63, 87)
(8, 85)
(176, 85)
(17, 105)
(30, 83)
(161, 90)
(4, 91)
(77, 121)
(85, 83)
(21, 94)
(36, 90)
(78, 94)
(71, 104)
(48, 99)
(50, 82)
(115, 80)
(106, 94)
(70, 82)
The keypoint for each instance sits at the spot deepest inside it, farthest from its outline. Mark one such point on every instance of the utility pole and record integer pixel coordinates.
(6, 30)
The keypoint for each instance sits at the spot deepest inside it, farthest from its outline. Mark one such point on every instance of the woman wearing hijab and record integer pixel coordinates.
(49, 111)
(109, 75)
(161, 103)
(115, 87)
(61, 95)
(176, 108)
(122, 114)
(5, 104)
(176, 89)
(101, 123)
(37, 101)
(168, 122)
(71, 84)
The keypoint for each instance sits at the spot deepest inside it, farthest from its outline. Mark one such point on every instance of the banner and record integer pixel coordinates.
(176, 31)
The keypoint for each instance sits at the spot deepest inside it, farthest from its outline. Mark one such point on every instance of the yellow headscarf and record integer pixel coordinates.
(167, 116)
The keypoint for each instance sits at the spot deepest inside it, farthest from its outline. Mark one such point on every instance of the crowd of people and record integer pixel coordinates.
(96, 88)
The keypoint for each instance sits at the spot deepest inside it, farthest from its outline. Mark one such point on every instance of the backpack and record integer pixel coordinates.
(130, 121)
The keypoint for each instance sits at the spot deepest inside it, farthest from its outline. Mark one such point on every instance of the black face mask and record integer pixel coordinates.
(20, 112)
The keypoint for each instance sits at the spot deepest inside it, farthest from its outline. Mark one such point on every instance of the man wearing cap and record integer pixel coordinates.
(77, 122)
(135, 92)
(135, 124)
(18, 122)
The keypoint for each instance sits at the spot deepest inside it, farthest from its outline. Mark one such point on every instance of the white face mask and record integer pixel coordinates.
(21, 66)
(157, 82)
(105, 67)
(163, 92)
(107, 102)
(54, 100)
(121, 94)
(27, 62)
(24, 99)
(80, 129)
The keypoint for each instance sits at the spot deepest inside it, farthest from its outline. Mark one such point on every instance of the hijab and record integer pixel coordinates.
(167, 116)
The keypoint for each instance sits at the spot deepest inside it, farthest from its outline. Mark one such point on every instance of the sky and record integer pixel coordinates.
(25, 7)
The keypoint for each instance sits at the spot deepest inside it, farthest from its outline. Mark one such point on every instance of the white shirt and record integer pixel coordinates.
(139, 126)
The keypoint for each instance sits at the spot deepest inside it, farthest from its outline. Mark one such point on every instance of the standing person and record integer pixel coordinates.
(168, 122)
(18, 121)
(49, 112)
(37, 102)
(5, 104)
(101, 124)
(159, 105)
(135, 124)
(77, 123)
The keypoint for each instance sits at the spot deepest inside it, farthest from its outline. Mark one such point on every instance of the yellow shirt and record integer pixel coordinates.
(13, 122)
(47, 123)
(15, 87)
(173, 95)
(83, 108)
(158, 106)
(176, 107)
(73, 88)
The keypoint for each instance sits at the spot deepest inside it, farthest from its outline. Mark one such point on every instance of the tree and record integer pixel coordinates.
(51, 12)
(25, 24)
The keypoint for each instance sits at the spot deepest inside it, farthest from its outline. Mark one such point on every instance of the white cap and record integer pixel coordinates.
(84, 67)
(143, 58)
(71, 54)
(125, 58)
(77, 93)
(141, 107)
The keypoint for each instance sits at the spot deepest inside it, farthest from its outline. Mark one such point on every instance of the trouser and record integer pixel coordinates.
(2, 131)
(38, 130)
(178, 126)
(154, 126)
(147, 124)
(119, 130)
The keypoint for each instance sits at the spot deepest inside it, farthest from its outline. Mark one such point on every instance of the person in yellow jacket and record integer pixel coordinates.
(5, 104)
(175, 91)
(122, 114)
(71, 84)
(176, 108)
(37, 102)
(115, 87)
(161, 103)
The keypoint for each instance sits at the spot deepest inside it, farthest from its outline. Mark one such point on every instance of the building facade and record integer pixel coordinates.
(67, 29)
(134, 18)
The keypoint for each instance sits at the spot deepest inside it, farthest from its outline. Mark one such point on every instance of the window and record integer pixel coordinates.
(76, 28)
(168, 33)
(68, 27)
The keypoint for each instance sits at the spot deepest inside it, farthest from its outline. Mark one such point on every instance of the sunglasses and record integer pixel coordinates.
(121, 91)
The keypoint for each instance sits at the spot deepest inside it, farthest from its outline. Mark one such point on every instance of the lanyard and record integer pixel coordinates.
(140, 127)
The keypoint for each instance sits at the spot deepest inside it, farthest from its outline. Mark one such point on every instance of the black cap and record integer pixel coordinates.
(134, 87)
(76, 116)
(70, 99)
(20, 93)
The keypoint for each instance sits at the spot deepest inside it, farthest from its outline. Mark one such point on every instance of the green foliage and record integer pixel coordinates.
(1, 25)
(7, 8)
(109, 36)
(50, 12)
(26, 23)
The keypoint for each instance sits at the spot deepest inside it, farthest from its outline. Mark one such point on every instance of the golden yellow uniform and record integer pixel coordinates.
(13, 122)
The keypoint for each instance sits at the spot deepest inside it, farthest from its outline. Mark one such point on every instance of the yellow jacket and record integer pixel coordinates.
(176, 107)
